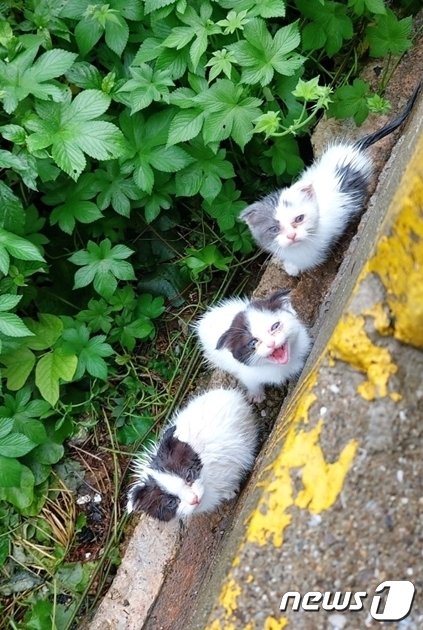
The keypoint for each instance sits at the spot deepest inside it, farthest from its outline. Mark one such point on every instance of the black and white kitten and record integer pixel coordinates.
(299, 224)
(200, 460)
(260, 342)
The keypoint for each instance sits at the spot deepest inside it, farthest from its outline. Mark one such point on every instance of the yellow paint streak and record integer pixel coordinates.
(399, 257)
(275, 624)
(229, 596)
(381, 320)
(351, 344)
(322, 482)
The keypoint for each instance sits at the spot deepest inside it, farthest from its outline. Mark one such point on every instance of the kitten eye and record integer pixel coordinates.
(190, 476)
(172, 503)
(252, 343)
(275, 326)
(299, 219)
(274, 229)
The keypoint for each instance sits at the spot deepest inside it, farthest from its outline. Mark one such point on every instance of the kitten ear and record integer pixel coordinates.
(280, 298)
(308, 191)
(136, 498)
(223, 341)
(253, 213)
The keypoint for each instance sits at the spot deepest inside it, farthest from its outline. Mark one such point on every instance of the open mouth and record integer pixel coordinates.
(280, 355)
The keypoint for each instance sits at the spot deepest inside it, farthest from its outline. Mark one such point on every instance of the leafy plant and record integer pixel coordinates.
(133, 134)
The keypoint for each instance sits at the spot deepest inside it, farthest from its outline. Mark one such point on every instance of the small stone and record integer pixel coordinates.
(85, 498)
(337, 622)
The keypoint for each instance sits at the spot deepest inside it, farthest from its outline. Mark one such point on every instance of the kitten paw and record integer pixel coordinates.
(291, 270)
(256, 397)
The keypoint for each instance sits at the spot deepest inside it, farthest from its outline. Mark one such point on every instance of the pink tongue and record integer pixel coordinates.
(280, 355)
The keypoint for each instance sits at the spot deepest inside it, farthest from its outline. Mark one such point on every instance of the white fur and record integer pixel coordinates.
(327, 211)
(261, 371)
(218, 425)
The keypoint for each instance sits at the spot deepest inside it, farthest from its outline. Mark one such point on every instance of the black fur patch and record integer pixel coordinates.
(273, 302)
(177, 457)
(260, 218)
(148, 497)
(238, 339)
(352, 182)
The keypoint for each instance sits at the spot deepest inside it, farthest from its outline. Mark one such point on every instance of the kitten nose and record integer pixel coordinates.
(194, 500)
(270, 343)
(292, 236)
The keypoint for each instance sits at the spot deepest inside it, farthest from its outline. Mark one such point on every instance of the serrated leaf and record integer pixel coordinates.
(71, 130)
(117, 33)
(389, 35)
(15, 445)
(19, 78)
(12, 326)
(51, 64)
(185, 126)
(169, 159)
(154, 5)
(51, 368)
(87, 33)
(19, 247)
(9, 301)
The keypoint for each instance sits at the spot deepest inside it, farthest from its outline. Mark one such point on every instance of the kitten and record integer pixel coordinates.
(200, 460)
(299, 224)
(260, 342)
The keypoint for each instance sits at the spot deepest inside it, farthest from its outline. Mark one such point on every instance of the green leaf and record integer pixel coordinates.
(185, 125)
(90, 352)
(229, 112)
(204, 175)
(46, 331)
(135, 429)
(51, 368)
(71, 130)
(22, 495)
(147, 85)
(102, 264)
(260, 55)
(10, 472)
(150, 306)
(19, 365)
(12, 326)
(21, 77)
(51, 64)
(116, 189)
(48, 453)
(117, 33)
(389, 35)
(15, 445)
(329, 25)
(351, 100)
(154, 5)
(72, 211)
(87, 33)
(19, 247)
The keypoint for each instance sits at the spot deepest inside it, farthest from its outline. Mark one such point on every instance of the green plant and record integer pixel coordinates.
(134, 132)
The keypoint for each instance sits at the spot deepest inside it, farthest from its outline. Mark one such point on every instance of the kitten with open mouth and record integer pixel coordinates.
(260, 341)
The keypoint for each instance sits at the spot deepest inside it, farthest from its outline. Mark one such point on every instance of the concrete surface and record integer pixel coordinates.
(335, 490)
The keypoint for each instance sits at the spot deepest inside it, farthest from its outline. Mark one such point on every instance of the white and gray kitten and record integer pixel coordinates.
(200, 460)
(299, 224)
(260, 342)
